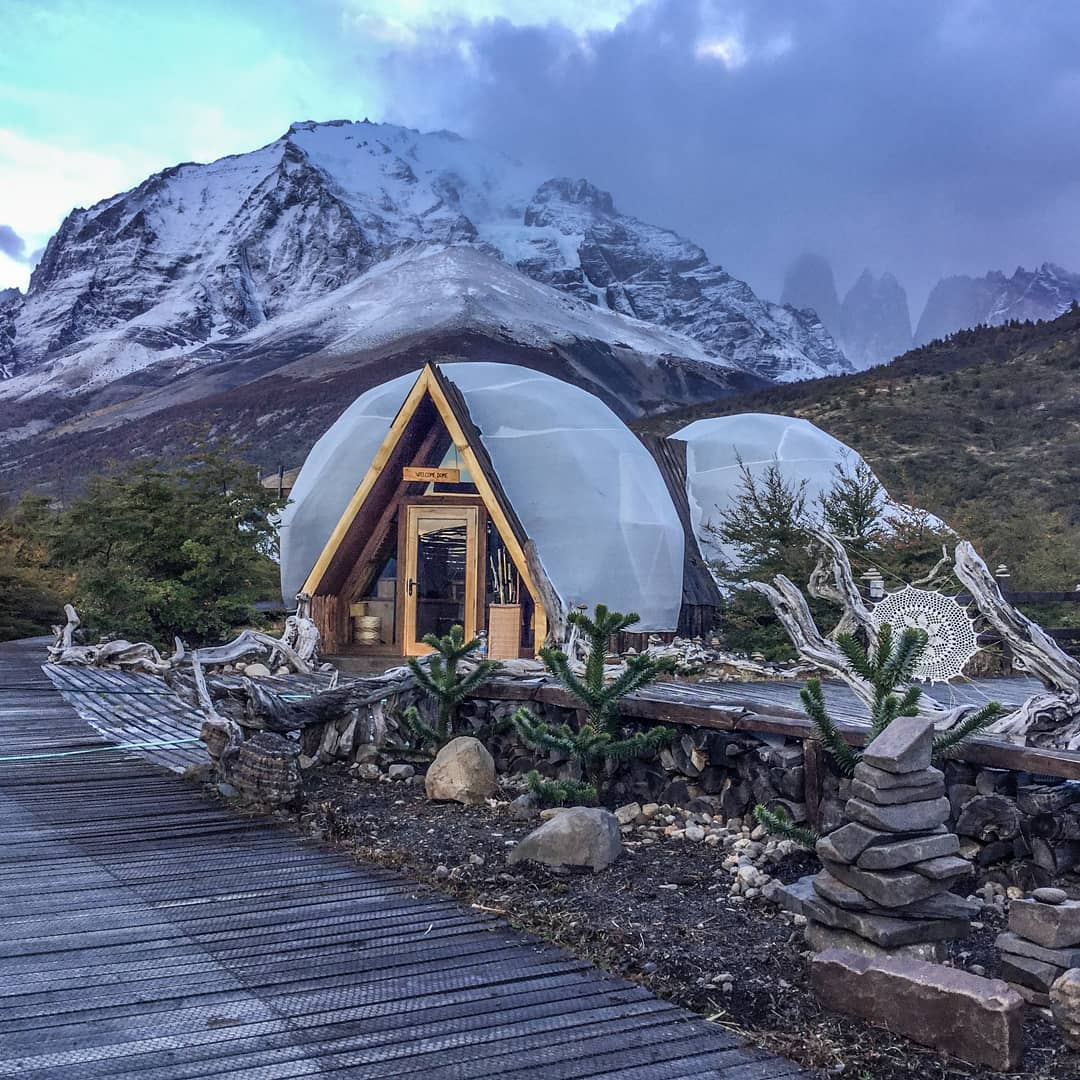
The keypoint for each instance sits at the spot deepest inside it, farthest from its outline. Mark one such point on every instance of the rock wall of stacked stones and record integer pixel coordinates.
(1017, 829)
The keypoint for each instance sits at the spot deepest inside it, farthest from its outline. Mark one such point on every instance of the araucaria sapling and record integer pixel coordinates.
(600, 738)
(443, 681)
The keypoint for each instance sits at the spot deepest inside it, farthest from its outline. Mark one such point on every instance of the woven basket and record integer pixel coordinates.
(504, 631)
(366, 629)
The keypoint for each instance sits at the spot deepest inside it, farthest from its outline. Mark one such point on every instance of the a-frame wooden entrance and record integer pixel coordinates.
(418, 537)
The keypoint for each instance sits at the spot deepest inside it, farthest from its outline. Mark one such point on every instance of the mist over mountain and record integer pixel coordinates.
(871, 325)
(809, 283)
(873, 322)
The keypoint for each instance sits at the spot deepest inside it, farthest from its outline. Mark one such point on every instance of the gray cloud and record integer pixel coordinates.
(927, 137)
(12, 244)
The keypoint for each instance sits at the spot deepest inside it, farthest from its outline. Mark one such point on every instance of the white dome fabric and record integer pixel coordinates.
(587, 491)
(715, 445)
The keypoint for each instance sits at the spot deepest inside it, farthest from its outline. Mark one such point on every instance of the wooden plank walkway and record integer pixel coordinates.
(149, 933)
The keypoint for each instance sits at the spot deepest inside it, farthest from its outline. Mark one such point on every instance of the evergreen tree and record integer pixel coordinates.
(158, 552)
(32, 593)
(599, 739)
(443, 682)
(852, 507)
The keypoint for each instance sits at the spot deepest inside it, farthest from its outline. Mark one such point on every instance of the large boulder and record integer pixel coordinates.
(579, 836)
(463, 771)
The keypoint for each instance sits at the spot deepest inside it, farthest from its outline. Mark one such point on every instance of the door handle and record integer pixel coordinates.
(411, 585)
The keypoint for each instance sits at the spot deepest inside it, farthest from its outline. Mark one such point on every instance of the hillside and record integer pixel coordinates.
(982, 428)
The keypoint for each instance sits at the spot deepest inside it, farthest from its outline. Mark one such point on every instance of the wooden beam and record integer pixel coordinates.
(382, 456)
(359, 577)
(753, 717)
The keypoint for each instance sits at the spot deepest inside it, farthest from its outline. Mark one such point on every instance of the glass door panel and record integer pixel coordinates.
(440, 572)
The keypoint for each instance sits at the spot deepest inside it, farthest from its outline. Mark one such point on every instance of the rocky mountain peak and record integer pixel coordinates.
(578, 193)
(963, 301)
(875, 322)
(197, 256)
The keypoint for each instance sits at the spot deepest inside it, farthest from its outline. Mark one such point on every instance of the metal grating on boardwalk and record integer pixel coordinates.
(148, 933)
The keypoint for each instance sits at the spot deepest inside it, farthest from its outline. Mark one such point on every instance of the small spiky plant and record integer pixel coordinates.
(443, 682)
(885, 668)
(779, 824)
(599, 739)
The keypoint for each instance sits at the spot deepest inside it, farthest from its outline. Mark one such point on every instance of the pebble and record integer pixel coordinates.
(1050, 896)
(694, 832)
(1014, 892)
(442, 872)
(400, 772)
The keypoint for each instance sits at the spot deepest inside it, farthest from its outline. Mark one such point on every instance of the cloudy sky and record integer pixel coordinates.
(925, 137)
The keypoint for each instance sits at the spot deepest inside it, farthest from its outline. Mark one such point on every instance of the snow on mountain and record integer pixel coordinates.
(198, 257)
(960, 302)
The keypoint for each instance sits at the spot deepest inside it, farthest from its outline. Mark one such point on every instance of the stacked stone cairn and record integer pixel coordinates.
(884, 888)
(1041, 944)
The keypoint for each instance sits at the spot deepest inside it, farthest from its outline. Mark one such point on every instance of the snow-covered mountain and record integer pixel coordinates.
(957, 303)
(200, 256)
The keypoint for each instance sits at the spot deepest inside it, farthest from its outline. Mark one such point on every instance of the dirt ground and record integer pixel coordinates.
(660, 916)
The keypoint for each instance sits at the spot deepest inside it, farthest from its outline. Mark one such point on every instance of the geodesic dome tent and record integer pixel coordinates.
(717, 445)
(460, 492)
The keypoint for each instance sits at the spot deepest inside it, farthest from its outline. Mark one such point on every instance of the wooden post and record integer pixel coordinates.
(813, 777)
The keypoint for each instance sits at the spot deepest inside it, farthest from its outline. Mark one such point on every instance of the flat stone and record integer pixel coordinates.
(895, 796)
(887, 888)
(579, 836)
(463, 771)
(836, 892)
(820, 938)
(1065, 1006)
(629, 813)
(886, 781)
(905, 746)
(1055, 926)
(945, 868)
(1036, 974)
(1050, 896)
(848, 842)
(913, 817)
(883, 930)
(944, 905)
(917, 849)
(257, 671)
(1018, 946)
(977, 1019)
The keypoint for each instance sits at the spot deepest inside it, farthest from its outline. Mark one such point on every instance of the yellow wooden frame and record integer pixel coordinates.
(427, 383)
(470, 515)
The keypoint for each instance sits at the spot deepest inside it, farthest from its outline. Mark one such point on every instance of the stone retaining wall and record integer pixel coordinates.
(1017, 829)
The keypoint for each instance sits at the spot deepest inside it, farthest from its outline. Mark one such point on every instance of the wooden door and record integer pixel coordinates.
(441, 576)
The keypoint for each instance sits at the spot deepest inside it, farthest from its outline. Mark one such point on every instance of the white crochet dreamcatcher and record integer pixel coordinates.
(949, 628)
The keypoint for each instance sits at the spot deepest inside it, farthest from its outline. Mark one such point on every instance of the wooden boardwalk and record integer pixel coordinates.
(149, 933)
